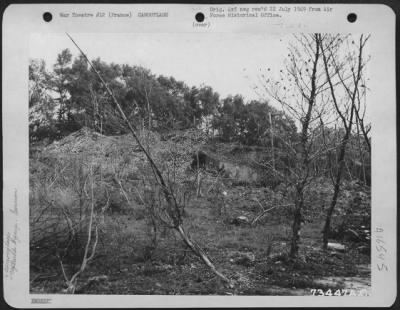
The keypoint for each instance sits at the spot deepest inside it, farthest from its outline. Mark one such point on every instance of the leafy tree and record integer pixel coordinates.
(42, 107)
(250, 123)
(229, 122)
(38, 81)
(60, 81)
(90, 100)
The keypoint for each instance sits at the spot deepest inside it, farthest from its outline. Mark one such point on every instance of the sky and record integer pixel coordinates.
(229, 63)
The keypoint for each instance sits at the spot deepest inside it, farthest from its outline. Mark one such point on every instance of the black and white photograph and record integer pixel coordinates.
(202, 163)
(158, 167)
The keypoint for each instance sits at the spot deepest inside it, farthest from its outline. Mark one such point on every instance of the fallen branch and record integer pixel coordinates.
(264, 212)
(258, 217)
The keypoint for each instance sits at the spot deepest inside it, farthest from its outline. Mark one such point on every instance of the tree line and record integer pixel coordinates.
(69, 96)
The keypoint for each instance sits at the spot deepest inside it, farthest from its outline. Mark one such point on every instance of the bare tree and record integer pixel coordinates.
(346, 99)
(90, 245)
(300, 89)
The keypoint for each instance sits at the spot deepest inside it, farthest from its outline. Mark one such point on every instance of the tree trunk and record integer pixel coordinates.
(297, 217)
(199, 179)
(363, 175)
(347, 123)
(325, 232)
(272, 140)
(304, 155)
(149, 113)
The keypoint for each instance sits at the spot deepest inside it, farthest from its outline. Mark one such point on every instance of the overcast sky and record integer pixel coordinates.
(229, 63)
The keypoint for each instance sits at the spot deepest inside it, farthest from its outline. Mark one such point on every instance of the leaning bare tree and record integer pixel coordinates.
(344, 63)
(172, 210)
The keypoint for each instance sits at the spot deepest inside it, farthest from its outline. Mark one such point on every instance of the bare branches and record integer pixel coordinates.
(90, 245)
(173, 210)
(265, 211)
(351, 100)
(320, 87)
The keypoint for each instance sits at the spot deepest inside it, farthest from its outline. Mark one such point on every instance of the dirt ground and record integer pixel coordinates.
(133, 259)
(127, 267)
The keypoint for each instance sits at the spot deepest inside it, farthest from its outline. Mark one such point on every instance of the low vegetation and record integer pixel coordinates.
(136, 254)
(140, 184)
